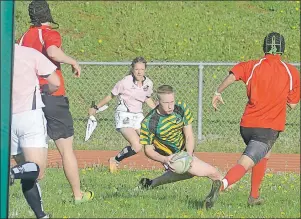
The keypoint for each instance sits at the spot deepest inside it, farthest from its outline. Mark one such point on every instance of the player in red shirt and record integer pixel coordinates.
(43, 38)
(272, 85)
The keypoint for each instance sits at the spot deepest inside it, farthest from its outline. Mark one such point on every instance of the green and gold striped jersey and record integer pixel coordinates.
(165, 132)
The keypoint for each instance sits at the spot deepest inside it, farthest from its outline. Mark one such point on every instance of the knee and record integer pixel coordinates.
(253, 153)
(137, 147)
(40, 169)
(67, 154)
(215, 174)
(41, 175)
(246, 161)
(40, 172)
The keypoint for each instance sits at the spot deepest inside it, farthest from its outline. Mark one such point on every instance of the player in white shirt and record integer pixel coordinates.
(132, 91)
(28, 126)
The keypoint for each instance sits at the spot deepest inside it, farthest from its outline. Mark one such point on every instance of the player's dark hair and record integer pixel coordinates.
(274, 43)
(39, 12)
(137, 60)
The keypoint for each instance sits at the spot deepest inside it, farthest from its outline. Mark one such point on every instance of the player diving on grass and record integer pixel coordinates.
(272, 85)
(166, 131)
(132, 91)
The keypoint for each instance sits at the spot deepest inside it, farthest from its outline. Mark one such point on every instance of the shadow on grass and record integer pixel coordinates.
(196, 204)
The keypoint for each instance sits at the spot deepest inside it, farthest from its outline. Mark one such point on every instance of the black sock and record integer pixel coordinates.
(124, 153)
(31, 191)
(26, 171)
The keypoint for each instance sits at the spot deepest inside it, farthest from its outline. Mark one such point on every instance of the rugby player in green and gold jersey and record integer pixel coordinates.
(167, 130)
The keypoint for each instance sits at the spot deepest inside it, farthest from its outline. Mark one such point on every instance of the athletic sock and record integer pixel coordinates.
(233, 175)
(258, 172)
(125, 153)
(26, 171)
(32, 194)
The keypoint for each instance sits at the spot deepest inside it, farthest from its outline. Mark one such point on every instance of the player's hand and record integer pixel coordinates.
(76, 69)
(92, 112)
(167, 162)
(190, 153)
(216, 100)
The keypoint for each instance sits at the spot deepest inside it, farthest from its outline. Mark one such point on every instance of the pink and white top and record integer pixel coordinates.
(130, 95)
(28, 63)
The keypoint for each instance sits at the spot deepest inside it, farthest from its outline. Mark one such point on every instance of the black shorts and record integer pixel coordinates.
(264, 135)
(58, 116)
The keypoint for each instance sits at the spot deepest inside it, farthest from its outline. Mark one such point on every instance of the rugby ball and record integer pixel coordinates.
(181, 162)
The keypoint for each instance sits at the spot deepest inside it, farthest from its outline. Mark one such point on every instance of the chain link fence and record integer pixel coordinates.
(194, 83)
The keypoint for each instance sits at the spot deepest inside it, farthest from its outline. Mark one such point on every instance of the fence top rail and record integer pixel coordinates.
(171, 63)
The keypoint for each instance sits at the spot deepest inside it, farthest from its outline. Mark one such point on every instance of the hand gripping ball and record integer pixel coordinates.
(181, 162)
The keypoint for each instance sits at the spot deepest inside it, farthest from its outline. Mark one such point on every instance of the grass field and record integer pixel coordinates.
(116, 196)
(171, 30)
(192, 31)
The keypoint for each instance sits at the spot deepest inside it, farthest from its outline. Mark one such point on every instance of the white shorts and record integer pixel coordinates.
(128, 120)
(28, 129)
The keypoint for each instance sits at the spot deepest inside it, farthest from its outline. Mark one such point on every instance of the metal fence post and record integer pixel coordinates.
(200, 103)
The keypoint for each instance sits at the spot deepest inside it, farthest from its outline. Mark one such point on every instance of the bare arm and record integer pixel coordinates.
(53, 82)
(217, 98)
(58, 55)
(154, 155)
(292, 105)
(189, 138)
(227, 81)
(103, 102)
(149, 101)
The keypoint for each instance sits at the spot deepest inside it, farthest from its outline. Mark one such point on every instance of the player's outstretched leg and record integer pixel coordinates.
(167, 177)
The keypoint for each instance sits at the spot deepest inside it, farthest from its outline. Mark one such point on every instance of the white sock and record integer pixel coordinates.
(225, 183)
(40, 192)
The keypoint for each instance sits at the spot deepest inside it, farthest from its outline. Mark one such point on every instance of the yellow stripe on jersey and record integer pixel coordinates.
(143, 125)
(184, 105)
(168, 118)
(143, 137)
(161, 146)
(144, 132)
(171, 127)
(188, 117)
(164, 126)
(146, 139)
(143, 142)
(171, 135)
(186, 112)
(176, 138)
(181, 142)
(190, 120)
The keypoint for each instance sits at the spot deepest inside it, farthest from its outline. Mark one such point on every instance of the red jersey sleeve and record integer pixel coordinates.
(242, 71)
(52, 38)
(294, 94)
